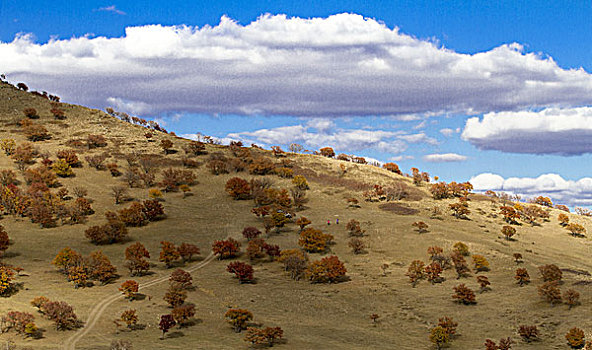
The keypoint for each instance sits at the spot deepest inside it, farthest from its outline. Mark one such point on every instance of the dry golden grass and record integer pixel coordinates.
(313, 316)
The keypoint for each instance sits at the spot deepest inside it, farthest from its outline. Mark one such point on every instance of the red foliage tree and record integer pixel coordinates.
(168, 253)
(187, 251)
(226, 249)
(238, 188)
(243, 271)
(166, 323)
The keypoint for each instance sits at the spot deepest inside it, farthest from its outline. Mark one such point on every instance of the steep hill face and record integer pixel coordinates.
(312, 315)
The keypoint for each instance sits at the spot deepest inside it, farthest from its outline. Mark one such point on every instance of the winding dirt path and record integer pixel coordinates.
(99, 308)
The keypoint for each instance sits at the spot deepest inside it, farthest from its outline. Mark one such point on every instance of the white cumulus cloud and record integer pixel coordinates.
(561, 131)
(561, 191)
(444, 158)
(340, 65)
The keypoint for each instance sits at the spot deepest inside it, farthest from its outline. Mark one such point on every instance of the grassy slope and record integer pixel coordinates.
(312, 316)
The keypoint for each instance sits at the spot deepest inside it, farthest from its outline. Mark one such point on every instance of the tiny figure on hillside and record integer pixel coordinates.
(328, 222)
(337, 221)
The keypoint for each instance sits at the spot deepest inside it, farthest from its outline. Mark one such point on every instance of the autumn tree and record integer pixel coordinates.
(576, 230)
(461, 248)
(433, 271)
(571, 298)
(313, 240)
(130, 289)
(66, 258)
(392, 167)
(415, 272)
(439, 337)
(300, 182)
(302, 222)
(166, 323)
(238, 318)
(550, 273)
(135, 254)
(575, 338)
(238, 188)
(183, 313)
(481, 264)
(522, 277)
(550, 292)
(175, 296)
(295, 262)
(4, 240)
(460, 265)
(420, 226)
(226, 249)
(130, 318)
(119, 193)
(100, 267)
(463, 294)
(528, 333)
(460, 210)
(448, 324)
(187, 251)
(508, 232)
(510, 214)
(327, 270)
(563, 219)
(168, 253)
(327, 152)
(181, 279)
(357, 245)
(251, 232)
(267, 336)
(242, 271)
(166, 146)
(62, 314)
(354, 229)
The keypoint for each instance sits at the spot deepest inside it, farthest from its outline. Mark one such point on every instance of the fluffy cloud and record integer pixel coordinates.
(561, 131)
(569, 192)
(344, 64)
(320, 133)
(449, 132)
(444, 158)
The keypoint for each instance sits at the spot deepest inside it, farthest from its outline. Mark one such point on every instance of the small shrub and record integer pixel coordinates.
(97, 161)
(300, 182)
(528, 333)
(183, 313)
(353, 227)
(62, 314)
(62, 169)
(166, 322)
(433, 271)
(31, 113)
(420, 226)
(130, 318)
(166, 146)
(563, 219)
(251, 232)
(576, 230)
(135, 254)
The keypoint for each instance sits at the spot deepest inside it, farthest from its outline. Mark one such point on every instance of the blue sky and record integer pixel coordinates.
(486, 88)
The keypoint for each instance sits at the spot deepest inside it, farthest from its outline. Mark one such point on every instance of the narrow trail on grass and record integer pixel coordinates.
(100, 307)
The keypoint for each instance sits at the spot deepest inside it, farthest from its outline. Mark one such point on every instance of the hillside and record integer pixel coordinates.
(311, 315)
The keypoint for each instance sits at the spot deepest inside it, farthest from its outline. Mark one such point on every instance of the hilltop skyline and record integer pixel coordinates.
(406, 83)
